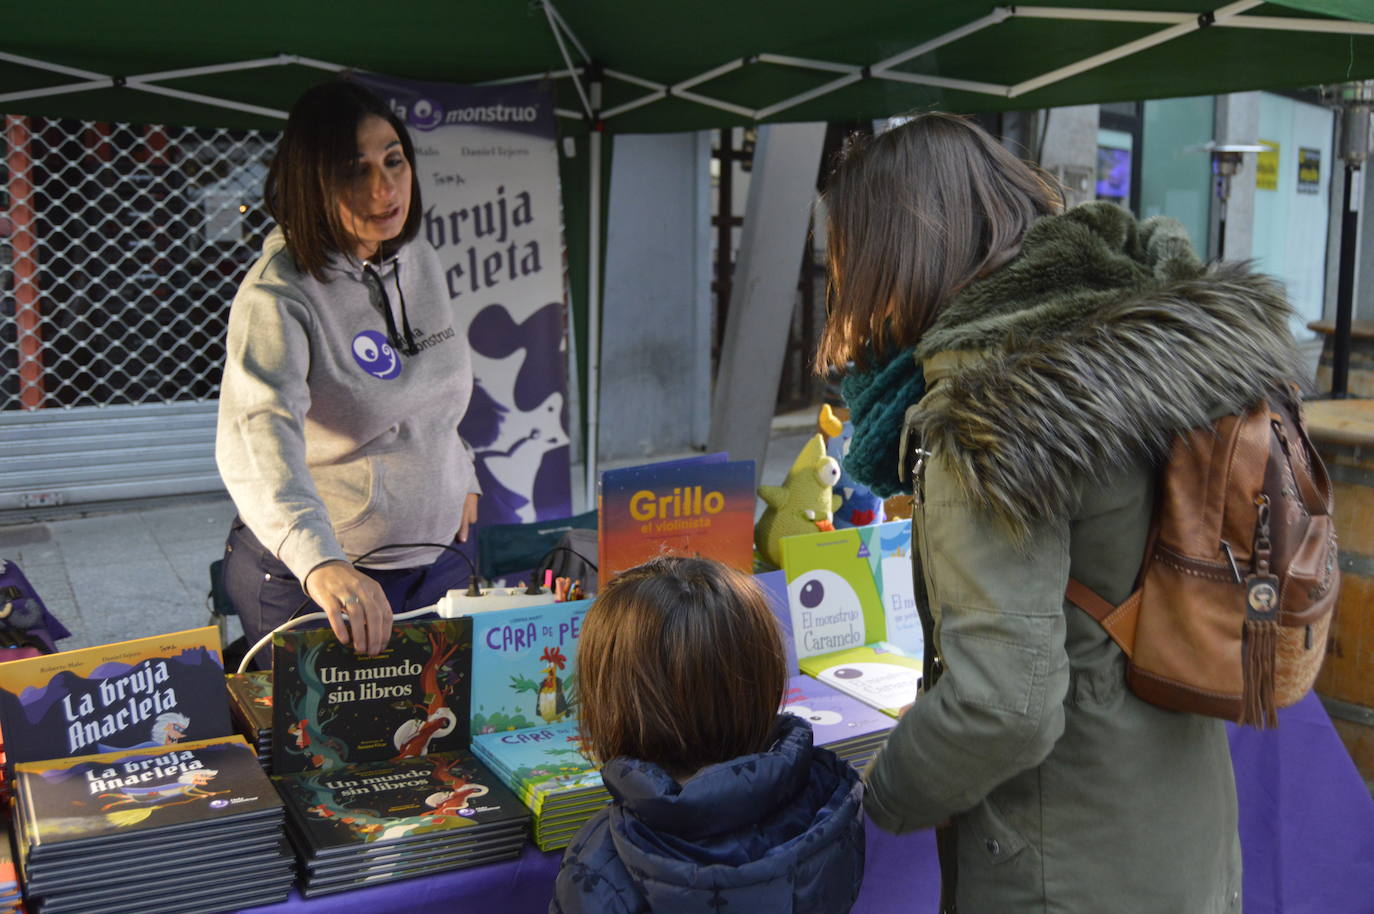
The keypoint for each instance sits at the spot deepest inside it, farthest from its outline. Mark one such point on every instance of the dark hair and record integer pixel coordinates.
(311, 168)
(913, 215)
(680, 663)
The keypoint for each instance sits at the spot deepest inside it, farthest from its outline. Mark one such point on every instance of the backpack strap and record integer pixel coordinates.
(1315, 493)
(1119, 621)
(946, 362)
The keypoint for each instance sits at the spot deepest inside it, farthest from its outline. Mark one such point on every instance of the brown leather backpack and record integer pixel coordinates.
(1237, 589)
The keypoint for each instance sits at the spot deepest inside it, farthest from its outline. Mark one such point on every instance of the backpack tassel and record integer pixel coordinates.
(1261, 640)
(1261, 630)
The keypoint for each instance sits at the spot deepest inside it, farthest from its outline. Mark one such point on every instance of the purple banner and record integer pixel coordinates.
(487, 161)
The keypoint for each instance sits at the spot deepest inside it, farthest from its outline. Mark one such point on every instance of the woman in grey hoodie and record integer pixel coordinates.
(347, 371)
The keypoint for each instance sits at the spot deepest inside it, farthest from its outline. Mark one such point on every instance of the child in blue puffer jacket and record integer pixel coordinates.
(720, 805)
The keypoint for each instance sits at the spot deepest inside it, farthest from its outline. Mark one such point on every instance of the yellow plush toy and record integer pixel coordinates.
(805, 503)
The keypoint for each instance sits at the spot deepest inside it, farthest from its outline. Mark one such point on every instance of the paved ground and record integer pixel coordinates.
(144, 569)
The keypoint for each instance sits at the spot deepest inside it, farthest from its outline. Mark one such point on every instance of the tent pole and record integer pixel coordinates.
(23, 240)
(593, 388)
(1355, 102)
(207, 100)
(1345, 282)
(1230, 11)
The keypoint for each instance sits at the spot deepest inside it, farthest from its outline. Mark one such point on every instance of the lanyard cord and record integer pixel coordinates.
(407, 343)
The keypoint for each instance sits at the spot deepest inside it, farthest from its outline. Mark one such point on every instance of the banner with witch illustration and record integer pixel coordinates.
(487, 161)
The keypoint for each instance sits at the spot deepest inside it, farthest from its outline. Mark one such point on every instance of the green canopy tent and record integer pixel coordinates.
(674, 66)
(655, 66)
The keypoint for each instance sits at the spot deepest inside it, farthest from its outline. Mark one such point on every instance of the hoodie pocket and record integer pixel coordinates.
(349, 491)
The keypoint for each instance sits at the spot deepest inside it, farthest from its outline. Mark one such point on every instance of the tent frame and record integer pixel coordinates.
(588, 76)
(1177, 24)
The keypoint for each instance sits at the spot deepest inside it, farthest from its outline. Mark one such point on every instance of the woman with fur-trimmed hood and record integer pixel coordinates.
(1044, 360)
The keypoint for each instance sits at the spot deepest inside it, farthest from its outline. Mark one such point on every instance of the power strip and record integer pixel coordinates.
(461, 603)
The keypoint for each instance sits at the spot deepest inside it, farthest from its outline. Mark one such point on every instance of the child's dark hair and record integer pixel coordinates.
(312, 165)
(680, 663)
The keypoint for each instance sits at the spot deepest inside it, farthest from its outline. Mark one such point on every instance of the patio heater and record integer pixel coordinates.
(1353, 101)
(1226, 161)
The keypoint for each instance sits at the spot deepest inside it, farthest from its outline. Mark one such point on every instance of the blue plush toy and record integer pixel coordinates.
(859, 507)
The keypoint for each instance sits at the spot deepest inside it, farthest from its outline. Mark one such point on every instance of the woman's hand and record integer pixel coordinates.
(341, 590)
(469, 516)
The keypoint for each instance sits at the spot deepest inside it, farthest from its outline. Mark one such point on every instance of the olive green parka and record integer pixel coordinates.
(1055, 385)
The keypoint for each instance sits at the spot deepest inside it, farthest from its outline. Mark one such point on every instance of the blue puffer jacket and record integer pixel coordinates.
(780, 832)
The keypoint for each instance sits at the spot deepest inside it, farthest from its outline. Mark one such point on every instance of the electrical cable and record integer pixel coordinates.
(309, 617)
(566, 549)
(294, 620)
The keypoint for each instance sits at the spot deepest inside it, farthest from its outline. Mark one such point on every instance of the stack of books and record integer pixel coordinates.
(524, 714)
(250, 704)
(546, 769)
(195, 827)
(376, 823)
(851, 729)
(369, 749)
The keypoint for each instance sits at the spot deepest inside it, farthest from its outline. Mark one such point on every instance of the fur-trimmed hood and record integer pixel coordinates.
(1098, 343)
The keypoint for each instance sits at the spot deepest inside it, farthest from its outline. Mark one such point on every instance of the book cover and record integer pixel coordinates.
(250, 695)
(851, 587)
(524, 666)
(371, 804)
(774, 585)
(333, 707)
(834, 716)
(116, 794)
(879, 675)
(156, 691)
(540, 762)
(684, 507)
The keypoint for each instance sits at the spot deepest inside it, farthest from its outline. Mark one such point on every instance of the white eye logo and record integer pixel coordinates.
(375, 356)
(818, 717)
(426, 114)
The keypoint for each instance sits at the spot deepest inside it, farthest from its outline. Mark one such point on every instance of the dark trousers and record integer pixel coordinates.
(265, 593)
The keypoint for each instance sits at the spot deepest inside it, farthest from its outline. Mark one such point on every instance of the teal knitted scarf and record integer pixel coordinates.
(1068, 268)
(877, 399)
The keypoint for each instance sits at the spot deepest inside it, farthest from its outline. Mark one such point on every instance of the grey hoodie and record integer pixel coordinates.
(331, 441)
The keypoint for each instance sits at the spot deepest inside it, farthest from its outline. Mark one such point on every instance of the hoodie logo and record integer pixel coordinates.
(375, 355)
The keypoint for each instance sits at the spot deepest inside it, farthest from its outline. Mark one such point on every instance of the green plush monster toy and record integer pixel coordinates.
(805, 503)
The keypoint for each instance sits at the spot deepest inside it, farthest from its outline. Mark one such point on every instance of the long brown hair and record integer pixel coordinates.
(312, 165)
(680, 663)
(913, 215)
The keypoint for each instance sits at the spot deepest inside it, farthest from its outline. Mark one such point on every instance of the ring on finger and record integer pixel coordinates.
(348, 600)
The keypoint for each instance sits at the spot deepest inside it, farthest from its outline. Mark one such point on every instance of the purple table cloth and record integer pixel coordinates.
(1306, 826)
